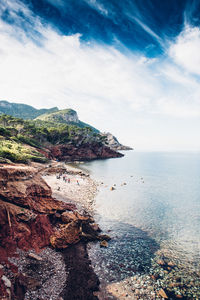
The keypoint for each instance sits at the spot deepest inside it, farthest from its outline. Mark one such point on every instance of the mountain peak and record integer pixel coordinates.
(60, 116)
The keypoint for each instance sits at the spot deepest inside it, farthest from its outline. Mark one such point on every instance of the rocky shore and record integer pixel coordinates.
(43, 234)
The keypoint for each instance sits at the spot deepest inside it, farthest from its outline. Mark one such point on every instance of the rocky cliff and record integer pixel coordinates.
(31, 219)
(65, 116)
(112, 142)
(86, 151)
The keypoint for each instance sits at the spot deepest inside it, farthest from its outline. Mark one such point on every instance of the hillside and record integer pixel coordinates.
(65, 116)
(37, 140)
(61, 122)
(23, 110)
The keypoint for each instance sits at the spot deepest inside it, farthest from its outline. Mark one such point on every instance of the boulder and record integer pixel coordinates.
(104, 244)
(105, 237)
(66, 235)
(68, 217)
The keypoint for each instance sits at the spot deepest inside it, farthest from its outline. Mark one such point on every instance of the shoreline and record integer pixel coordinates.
(48, 229)
(82, 281)
(81, 194)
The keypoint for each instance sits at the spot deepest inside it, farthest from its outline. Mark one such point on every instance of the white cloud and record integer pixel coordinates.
(106, 87)
(98, 6)
(185, 51)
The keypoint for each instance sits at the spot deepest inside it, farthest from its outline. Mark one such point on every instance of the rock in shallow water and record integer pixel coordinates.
(104, 244)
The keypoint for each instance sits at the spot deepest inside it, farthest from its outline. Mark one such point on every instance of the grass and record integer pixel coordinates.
(16, 152)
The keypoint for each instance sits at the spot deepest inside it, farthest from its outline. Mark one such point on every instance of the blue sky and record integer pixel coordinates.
(130, 67)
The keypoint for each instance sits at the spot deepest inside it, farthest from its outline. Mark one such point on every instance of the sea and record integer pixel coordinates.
(149, 203)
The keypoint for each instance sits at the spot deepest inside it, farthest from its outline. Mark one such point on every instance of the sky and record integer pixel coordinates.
(128, 67)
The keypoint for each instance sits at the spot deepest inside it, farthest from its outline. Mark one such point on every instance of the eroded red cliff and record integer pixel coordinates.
(87, 151)
(31, 219)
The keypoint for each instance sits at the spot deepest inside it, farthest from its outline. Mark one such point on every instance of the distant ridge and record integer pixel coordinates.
(65, 116)
(23, 111)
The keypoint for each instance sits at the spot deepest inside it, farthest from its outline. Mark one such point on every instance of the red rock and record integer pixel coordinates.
(34, 233)
(86, 151)
(68, 217)
(68, 234)
(24, 186)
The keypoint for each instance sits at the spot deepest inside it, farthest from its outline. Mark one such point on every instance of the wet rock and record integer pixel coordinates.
(104, 244)
(95, 227)
(88, 237)
(162, 293)
(104, 237)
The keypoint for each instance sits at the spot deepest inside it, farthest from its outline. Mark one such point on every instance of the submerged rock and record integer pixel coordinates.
(104, 244)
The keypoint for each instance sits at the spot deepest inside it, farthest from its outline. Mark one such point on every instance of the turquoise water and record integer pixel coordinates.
(153, 212)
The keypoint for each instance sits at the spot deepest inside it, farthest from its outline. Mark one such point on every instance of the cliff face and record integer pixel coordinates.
(26, 205)
(61, 116)
(87, 151)
(31, 219)
(23, 186)
(26, 212)
(113, 142)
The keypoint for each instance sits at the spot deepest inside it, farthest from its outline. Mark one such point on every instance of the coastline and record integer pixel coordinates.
(81, 194)
(34, 269)
(81, 279)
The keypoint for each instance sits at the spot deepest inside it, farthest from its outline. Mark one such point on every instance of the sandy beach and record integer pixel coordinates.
(71, 184)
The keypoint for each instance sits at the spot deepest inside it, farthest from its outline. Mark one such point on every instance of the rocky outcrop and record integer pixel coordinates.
(112, 142)
(88, 151)
(31, 219)
(21, 228)
(26, 207)
(75, 228)
(24, 186)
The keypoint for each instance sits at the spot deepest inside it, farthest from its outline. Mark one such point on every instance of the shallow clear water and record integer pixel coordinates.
(155, 207)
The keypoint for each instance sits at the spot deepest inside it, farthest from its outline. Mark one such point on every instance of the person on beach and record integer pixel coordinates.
(68, 180)
(77, 182)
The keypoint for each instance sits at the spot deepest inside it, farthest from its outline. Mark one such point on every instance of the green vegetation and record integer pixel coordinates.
(65, 116)
(58, 115)
(22, 110)
(19, 153)
(22, 140)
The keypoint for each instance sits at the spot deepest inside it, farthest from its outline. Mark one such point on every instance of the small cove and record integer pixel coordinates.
(152, 215)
